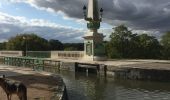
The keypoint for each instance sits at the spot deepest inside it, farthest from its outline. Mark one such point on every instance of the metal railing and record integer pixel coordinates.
(39, 54)
(30, 62)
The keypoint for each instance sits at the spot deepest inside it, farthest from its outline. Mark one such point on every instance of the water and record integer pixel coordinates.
(82, 87)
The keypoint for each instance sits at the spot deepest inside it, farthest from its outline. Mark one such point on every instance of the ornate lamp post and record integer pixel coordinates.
(93, 23)
(93, 41)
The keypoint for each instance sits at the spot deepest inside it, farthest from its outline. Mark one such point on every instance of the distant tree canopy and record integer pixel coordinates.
(147, 47)
(55, 45)
(3, 46)
(73, 46)
(166, 45)
(30, 42)
(124, 44)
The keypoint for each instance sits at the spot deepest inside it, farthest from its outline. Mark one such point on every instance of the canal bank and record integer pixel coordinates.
(126, 69)
(158, 70)
(93, 87)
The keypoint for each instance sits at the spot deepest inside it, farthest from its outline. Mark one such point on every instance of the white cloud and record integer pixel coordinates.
(5, 30)
(13, 25)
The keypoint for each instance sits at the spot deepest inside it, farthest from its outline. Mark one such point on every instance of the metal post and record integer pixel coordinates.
(25, 39)
(26, 47)
(87, 71)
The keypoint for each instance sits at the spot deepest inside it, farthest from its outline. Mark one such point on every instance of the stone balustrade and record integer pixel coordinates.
(67, 54)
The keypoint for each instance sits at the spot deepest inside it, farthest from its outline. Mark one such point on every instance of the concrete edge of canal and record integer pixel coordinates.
(60, 90)
(129, 69)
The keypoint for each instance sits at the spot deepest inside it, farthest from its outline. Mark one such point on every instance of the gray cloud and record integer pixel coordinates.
(150, 15)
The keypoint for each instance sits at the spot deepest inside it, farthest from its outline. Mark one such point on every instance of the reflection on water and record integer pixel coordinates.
(81, 87)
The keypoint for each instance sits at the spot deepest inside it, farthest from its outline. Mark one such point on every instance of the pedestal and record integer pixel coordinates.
(94, 47)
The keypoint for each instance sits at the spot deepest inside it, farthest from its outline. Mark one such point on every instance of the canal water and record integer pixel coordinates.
(92, 87)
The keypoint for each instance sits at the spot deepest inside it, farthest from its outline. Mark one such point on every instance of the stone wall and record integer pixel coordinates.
(142, 74)
(60, 90)
(69, 66)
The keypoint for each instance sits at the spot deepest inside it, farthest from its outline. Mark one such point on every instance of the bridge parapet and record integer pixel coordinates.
(67, 54)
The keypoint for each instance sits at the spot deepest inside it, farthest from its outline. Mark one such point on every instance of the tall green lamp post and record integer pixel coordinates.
(93, 41)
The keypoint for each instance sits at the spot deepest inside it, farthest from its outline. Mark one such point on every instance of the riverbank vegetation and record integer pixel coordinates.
(122, 44)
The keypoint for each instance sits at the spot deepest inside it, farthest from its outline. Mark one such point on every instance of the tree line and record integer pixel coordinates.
(32, 42)
(122, 44)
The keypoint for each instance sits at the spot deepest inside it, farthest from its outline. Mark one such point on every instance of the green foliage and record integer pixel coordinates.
(3, 46)
(27, 41)
(119, 44)
(55, 45)
(124, 44)
(166, 45)
(32, 42)
(147, 47)
(70, 49)
(73, 46)
(111, 51)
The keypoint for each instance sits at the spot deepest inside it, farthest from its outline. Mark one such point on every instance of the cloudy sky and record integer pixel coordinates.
(62, 19)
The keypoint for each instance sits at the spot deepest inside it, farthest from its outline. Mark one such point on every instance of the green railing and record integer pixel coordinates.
(39, 54)
(31, 62)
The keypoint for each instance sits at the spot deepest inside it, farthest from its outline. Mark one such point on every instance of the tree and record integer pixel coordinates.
(166, 45)
(3, 46)
(55, 45)
(147, 47)
(30, 42)
(119, 44)
(124, 44)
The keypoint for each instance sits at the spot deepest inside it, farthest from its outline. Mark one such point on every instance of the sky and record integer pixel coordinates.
(63, 19)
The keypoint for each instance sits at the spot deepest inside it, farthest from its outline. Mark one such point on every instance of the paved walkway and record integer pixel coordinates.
(114, 64)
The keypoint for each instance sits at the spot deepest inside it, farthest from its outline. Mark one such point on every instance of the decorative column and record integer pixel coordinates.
(93, 41)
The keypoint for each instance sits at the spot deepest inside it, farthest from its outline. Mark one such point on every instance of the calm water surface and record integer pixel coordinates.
(91, 87)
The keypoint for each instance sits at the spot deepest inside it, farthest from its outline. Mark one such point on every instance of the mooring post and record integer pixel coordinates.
(76, 66)
(87, 71)
(105, 70)
(59, 65)
(43, 65)
(98, 69)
